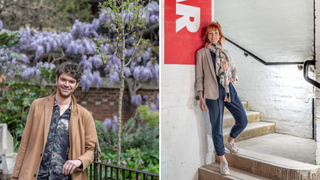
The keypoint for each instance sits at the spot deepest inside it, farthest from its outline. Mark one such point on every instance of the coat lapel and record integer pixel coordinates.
(209, 58)
(73, 123)
(48, 107)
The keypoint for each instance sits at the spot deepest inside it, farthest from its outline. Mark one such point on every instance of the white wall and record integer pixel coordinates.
(317, 72)
(274, 31)
(183, 125)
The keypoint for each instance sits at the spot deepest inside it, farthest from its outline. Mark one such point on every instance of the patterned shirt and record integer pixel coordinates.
(57, 147)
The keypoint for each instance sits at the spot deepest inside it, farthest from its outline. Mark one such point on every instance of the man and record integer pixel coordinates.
(59, 138)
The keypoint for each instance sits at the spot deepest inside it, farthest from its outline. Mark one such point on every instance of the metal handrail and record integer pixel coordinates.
(306, 72)
(259, 59)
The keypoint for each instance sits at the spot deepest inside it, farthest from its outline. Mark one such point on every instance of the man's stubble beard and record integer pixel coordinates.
(59, 90)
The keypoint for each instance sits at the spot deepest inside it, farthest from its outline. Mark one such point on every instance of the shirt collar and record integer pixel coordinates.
(56, 104)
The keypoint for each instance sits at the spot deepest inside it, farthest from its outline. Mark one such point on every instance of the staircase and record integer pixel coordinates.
(264, 154)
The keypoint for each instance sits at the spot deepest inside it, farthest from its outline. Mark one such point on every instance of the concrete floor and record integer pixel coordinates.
(285, 146)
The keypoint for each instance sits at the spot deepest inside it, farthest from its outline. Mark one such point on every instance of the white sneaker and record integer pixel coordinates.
(224, 169)
(231, 147)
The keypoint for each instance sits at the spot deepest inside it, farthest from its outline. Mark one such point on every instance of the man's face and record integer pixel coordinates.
(66, 84)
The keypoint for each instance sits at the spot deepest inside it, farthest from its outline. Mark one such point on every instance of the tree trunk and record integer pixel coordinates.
(121, 91)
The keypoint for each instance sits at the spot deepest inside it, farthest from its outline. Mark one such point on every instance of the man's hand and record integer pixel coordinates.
(70, 166)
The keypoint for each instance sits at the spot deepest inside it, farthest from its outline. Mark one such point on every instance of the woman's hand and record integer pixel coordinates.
(203, 105)
(233, 80)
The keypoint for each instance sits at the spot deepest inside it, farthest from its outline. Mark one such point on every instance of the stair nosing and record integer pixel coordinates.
(311, 166)
(232, 175)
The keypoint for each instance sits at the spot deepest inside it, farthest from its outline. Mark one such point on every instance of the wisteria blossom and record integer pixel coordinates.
(39, 49)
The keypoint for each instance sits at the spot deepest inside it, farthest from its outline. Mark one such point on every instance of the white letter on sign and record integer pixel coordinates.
(187, 12)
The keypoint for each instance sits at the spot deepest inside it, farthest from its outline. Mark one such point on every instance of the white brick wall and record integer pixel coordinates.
(279, 92)
(317, 72)
(274, 31)
(183, 125)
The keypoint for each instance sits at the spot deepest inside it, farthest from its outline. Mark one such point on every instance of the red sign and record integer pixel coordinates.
(184, 25)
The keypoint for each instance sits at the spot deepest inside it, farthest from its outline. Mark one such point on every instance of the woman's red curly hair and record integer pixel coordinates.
(212, 26)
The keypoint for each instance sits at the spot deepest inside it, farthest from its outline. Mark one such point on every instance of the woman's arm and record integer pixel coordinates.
(199, 80)
(202, 103)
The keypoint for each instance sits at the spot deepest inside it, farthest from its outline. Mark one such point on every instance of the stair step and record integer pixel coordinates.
(212, 172)
(283, 145)
(252, 130)
(270, 166)
(228, 119)
(244, 103)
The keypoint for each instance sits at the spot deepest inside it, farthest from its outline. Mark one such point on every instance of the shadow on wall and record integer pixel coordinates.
(203, 128)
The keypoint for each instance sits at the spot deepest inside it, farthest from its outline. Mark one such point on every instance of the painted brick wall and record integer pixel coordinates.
(183, 125)
(279, 92)
(274, 31)
(317, 73)
(104, 102)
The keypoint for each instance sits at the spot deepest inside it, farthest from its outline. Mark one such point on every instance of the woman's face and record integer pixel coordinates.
(214, 36)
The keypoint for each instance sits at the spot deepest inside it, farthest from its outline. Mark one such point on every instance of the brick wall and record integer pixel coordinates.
(274, 31)
(104, 102)
(184, 127)
(317, 73)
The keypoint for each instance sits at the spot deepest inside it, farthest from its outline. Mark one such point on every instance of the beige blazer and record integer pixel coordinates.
(82, 138)
(206, 80)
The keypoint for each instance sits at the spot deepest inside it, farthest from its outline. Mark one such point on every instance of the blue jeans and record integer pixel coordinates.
(216, 110)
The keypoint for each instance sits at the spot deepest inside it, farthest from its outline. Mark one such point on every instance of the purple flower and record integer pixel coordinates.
(10, 73)
(114, 77)
(97, 79)
(141, 161)
(145, 97)
(48, 48)
(38, 72)
(145, 74)
(14, 61)
(127, 72)
(95, 24)
(71, 48)
(39, 52)
(124, 163)
(107, 123)
(87, 64)
(114, 128)
(97, 61)
(149, 65)
(136, 100)
(128, 52)
(115, 120)
(80, 49)
(24, 58)
(156, 72)
(136, 72)
(51, 66)
(28, 72)
(153, 107)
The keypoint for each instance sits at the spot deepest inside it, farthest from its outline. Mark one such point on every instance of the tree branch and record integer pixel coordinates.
(135, 49)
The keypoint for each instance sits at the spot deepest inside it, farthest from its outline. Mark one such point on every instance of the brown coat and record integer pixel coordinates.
(82, 138)
(206, 80)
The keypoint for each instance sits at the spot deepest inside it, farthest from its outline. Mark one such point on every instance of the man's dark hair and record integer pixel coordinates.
(71, 68)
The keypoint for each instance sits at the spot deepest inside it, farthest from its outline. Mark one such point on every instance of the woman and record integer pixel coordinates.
(215, 74)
